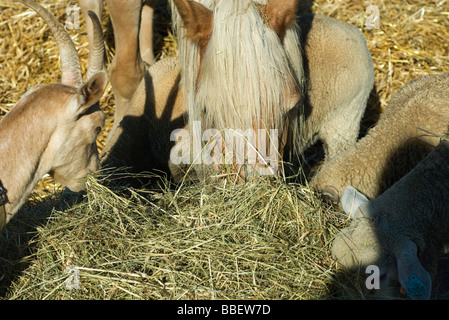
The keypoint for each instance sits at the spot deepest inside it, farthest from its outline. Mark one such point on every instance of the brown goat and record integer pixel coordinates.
(53, 128)
(290, 85)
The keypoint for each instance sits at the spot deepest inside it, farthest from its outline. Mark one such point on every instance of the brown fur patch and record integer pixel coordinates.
(197, 21)
(279, 15)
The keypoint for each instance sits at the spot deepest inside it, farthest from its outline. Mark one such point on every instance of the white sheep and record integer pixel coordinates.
(403, 231)
(395, 145)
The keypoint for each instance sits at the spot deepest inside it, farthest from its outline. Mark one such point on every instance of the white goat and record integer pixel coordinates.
(53, 128)
(394, 145)
(402, 231)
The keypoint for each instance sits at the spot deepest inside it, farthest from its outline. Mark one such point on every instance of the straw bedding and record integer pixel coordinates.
(262, 240)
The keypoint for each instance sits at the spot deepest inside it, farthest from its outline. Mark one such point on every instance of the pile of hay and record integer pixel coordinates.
(261, 240)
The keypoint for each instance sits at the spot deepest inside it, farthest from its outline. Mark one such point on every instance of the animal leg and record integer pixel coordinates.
(146, 32)
(127, 67)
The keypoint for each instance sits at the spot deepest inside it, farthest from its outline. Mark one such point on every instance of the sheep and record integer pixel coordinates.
(53, 128)
(335, 52)
(394, 145)
(403, 231)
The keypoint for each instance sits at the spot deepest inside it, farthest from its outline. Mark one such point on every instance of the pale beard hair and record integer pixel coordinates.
(248, 79)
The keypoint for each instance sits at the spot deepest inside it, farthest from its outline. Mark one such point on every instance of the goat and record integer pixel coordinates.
(264, 88)
(53, 128)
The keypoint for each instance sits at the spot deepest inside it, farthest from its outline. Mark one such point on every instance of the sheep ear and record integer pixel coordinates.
(197, 20)
(280, 15)
(330, 194)
(93, 90)
(411, 274)
(351, 200)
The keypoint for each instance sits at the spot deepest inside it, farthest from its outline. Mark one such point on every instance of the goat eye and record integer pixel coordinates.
(98, 130)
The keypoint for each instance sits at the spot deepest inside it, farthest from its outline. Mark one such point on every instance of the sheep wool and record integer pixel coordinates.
(404, 135)
(403, 231)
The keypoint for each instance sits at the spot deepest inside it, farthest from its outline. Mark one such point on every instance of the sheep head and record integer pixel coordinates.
(371, 240)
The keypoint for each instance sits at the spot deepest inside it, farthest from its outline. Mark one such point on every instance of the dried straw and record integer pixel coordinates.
(252, 241)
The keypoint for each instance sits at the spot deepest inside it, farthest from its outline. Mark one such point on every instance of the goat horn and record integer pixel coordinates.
(96, 55)
(70, 65)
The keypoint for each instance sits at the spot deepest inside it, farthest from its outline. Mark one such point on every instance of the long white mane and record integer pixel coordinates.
(248, 77)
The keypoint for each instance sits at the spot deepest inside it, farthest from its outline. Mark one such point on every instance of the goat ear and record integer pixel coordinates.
(351, 200)
(411, 274)
(197, 20)
(93, 89)
(280, 15)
